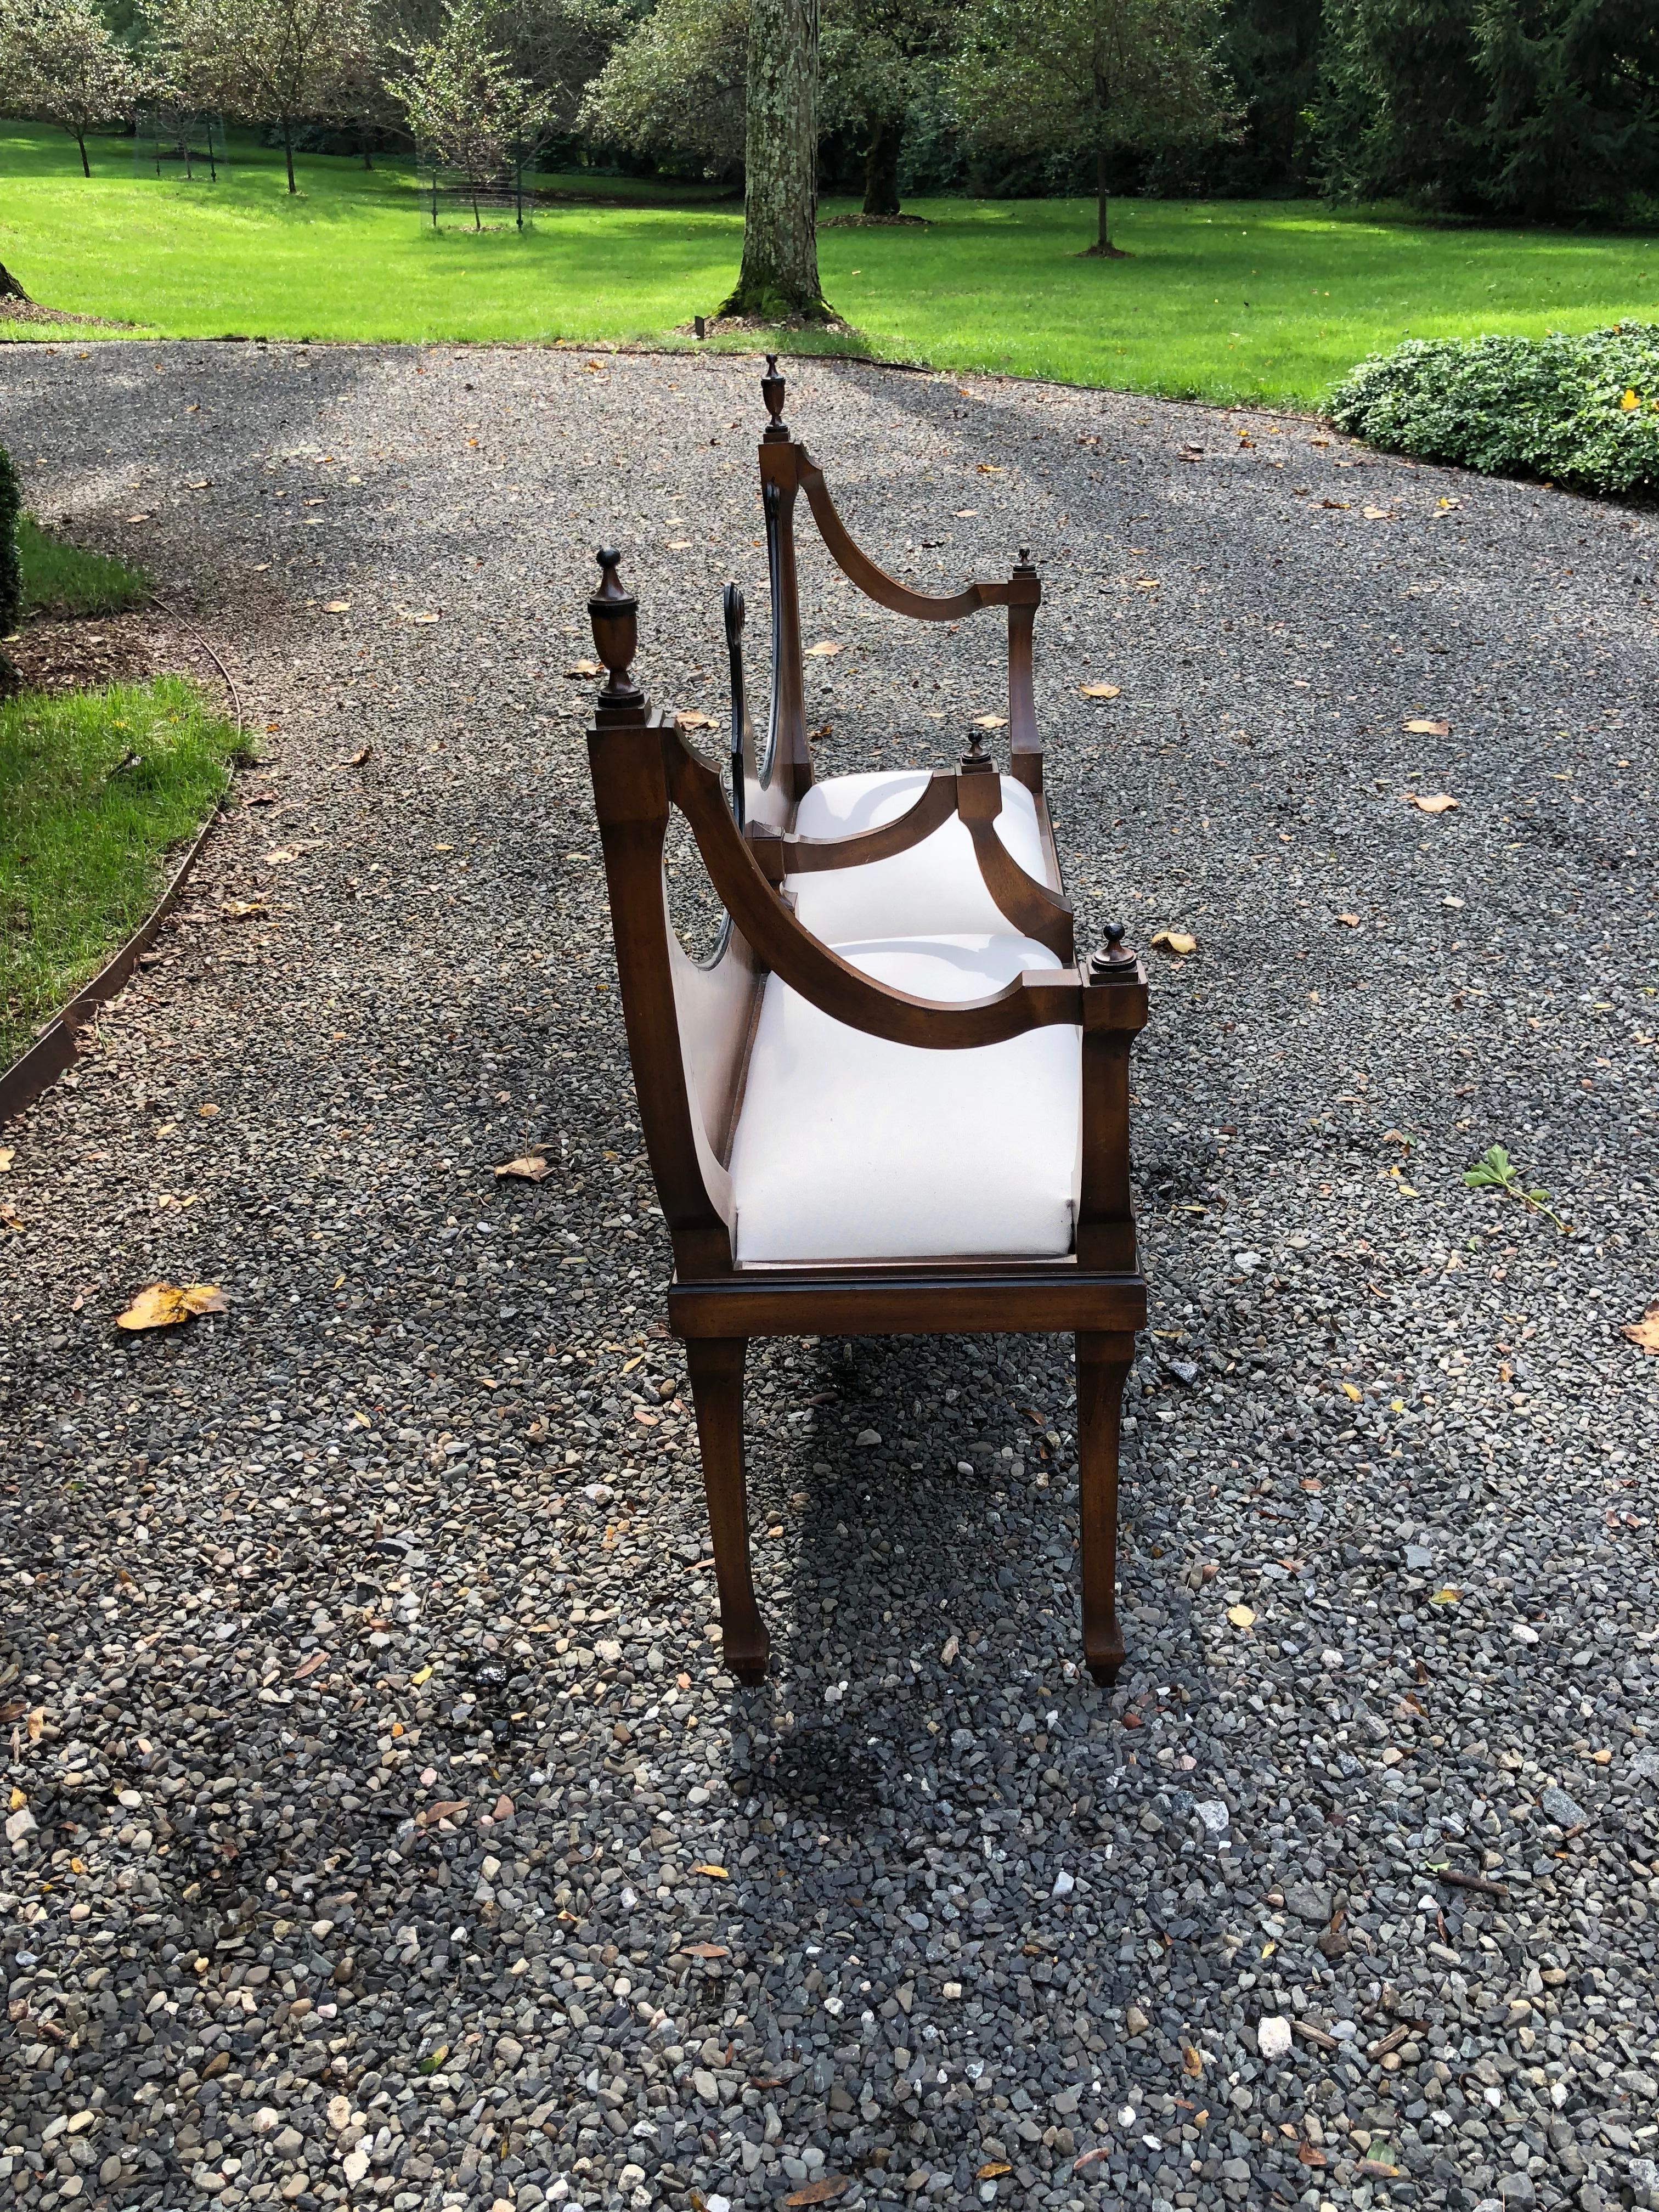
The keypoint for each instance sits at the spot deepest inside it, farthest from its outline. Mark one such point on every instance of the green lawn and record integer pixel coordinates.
(1224, 300)
(97, 790)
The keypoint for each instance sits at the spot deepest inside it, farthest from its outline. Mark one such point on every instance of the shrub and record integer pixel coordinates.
(11, 584)
(1583, 411)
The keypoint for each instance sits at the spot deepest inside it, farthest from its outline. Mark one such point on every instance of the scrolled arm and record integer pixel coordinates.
(1040, 998)
(876, 584)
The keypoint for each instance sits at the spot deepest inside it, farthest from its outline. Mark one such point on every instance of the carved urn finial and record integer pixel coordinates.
(772, 391)
(1114, 962)
(976, 756)
(612, 612)
(1024, 564)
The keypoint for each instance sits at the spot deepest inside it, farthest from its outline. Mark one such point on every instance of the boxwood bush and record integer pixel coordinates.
(1581, 411)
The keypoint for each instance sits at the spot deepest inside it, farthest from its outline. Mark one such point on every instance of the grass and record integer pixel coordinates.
(96, 789)
(62, 580)
(1230, 301)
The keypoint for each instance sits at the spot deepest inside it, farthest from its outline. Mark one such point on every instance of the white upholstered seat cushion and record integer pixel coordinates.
(935, 889)
(848, 1148)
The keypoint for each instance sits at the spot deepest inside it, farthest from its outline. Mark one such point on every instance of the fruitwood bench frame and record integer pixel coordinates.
(690, 1027)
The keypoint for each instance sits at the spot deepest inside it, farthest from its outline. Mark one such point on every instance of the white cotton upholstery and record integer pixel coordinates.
(848, 1148)
(935, 889)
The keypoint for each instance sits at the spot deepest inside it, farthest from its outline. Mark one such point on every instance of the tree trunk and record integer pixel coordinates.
(362, 148)
(780, 272)
(1103, 247)
(9, 287)
(881, 159)
(287, 149)
(86, 165)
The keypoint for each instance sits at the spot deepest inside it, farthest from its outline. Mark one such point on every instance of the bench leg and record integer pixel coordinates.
(715, 1365)
(1102, 1363)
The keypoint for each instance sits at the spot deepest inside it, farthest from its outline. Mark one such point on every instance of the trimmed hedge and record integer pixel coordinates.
(1581, 411)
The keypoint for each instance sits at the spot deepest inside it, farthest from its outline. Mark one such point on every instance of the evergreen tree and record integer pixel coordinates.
(1572, 120)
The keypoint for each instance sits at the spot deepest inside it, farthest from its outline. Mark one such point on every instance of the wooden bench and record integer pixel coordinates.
(889, 1103)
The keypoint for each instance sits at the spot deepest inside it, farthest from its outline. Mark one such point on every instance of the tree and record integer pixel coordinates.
(62, 63)
(1402, 107)
(779, 275)
(463, 102)
(278, 61)
(877, 55)
(1572, 118)
(676, 85)
(1095, 77)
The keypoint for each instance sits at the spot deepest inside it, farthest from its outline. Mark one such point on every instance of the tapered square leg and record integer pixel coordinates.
(1103, 1363)
(715, 1365)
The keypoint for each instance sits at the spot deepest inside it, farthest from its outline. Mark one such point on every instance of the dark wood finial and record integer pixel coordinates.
(612, 612)
(976, 757)
(1022, 567)
(772, 391)
(1114, 962)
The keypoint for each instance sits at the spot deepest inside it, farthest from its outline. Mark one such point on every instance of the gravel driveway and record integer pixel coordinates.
(382, 1825)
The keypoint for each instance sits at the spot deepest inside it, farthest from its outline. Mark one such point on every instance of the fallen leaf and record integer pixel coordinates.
(1352, 1390)
(359, 757)
(410, 614)
(1436, 803)
(1349, 920)
(434, 2060)
(1447, 1596)
(160, 1305)
(695, 719)
(7, 1154)
(1241, 1616)
(532, 1168)
(1425, 729)
(1176, 942)
(310, 1666)
(650, 1421)
(824, 2191)
(1191, 2063)
(1378, 513)
(993, 2171)
(991, 721)
(1098, 2156)
(337, 606)
(12, 1221)
(705, 1950)
(716, 1873)
(416, 1680)
(1310, 2154)
(1644, 1332)
(445, 1809)
(584, 668)
(280, 855)
(207, 1113)
(823, 649)
(990, 469)
(1630, 402)
(243, 909)
(1100, 691)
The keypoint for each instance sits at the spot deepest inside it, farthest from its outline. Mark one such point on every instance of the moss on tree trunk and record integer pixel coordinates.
(779, 273)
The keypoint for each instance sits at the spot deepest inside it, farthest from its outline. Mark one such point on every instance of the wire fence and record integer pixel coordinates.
(167, 141)
(501, 180)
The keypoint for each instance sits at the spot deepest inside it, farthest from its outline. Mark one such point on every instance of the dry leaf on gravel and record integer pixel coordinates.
(824, 2191)
(1349, 920)
(161, 1305)
(584, 668)
(1176, 942)
(445, 1809)
(1378, 513)
(1644, 1332)
(358, 758)
(1100, 691)
(417, 615)
(7, 1154)
(1427, 729)
(823, 649)
(337, 606)
(705, 1950)
(695, 719)
(532, 1168)
(243, 909)
(12, 1221)
(715, 1873)
(991, 721)
(1435, 802)
(1241, 1616)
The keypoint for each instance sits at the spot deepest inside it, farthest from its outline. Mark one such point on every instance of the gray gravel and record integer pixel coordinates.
(418, 1525)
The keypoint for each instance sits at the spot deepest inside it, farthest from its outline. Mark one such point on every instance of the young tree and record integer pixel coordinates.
(59, 61)
(1095, 76)
(463, 102)
(779, 275)
(278, 62)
